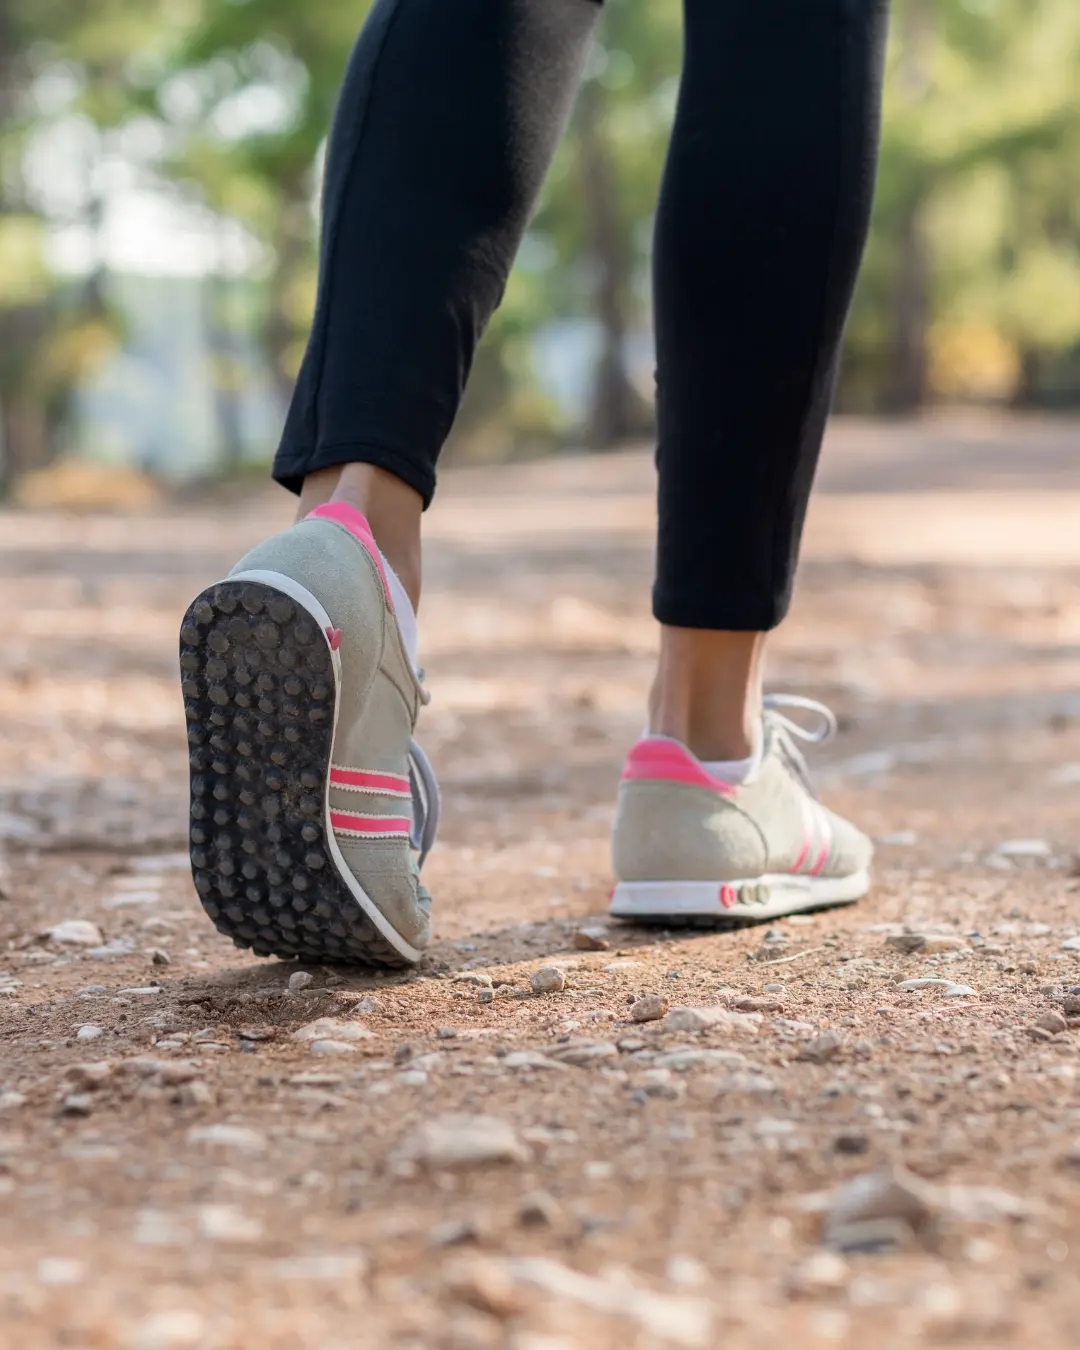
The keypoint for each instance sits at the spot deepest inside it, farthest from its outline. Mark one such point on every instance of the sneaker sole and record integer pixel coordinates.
(751, 900)
(261, 693)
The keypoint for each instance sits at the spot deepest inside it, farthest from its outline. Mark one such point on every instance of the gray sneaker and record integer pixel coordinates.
(311, 806)
(688, 846)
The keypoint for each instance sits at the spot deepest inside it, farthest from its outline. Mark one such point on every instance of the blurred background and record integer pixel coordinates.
(159, 181)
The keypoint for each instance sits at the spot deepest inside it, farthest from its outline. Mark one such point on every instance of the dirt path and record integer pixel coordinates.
(178, 1168)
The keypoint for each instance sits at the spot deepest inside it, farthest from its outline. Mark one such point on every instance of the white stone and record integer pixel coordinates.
(60, 1270)
(460, 1141)
(226, 1223)
(300, 980)
(241, 1138)
(1024, 848)
(913, 985)
(583, 1052)
(330, 1047)
(960, 991)
(157, 1228)
(75, 933)
(11, 1101)
(676, 1319)
(648, 1008)
(702, 1019)
(177, 1329)
(680, 1060)
(333, 1266)
(547, 980)
(524, 1060)
(332, 1028)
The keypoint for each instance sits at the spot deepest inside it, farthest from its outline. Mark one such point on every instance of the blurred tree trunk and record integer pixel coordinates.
(617, 410)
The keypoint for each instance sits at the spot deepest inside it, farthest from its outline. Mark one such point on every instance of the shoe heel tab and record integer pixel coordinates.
(662, 759)
(349, 518)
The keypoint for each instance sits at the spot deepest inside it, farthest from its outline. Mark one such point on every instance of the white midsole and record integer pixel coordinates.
(278, 581)
(764, 897)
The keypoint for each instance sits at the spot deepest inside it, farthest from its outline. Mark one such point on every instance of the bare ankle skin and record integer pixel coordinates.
(393, 510)
(707, 691)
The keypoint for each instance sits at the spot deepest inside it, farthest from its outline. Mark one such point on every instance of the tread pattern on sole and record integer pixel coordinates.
(259, 696)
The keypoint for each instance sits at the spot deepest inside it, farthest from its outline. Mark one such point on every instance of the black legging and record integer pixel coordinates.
(448, 118)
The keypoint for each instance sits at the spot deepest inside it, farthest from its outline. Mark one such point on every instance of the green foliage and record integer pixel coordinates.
(971, 286)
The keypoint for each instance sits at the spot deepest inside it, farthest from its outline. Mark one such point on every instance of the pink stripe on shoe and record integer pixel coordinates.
(668, 761)
(371, 827)
(365, 780)
(808, 837)
(826, 828)
(349, 518)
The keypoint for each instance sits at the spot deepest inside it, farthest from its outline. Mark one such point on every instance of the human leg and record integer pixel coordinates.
(760, 229)
(311, 804)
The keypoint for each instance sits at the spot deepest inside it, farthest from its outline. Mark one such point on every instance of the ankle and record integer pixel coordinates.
(707, 692)
(393, 510)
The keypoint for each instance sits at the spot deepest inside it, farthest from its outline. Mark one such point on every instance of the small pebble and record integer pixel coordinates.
(961, 991)
(88, 1033)
(75, 933)
(851, 1144)
(822, 1048)
(197, 1093)
(591, 940)
(226, 1223)
(822, 1273)
(60, 1270)
(1071, 945)
(479, 977)
(485, 996)
(773, 989)
(454, 1233)
(331, 1028)
(1024, 848)
(240, 1138)
(331, 1047)
(300, 980)
(159, 956)
(547, 980)
(1071, 1005)
(1052, 1022)
(583, 1053)
(649, 1008)
(461, 1141)
(77, 1104)
(762, 1005)
(908, 985)
(88, 1076)
(700, 1019)
(176, 1329)
(539, 1209)
(446, 1034)
(11, 1101)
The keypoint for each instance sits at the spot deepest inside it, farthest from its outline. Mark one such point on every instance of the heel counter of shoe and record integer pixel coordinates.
(339, 573)
(676, 822)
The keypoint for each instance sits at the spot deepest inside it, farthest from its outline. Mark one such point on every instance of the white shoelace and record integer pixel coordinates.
(787, 730)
